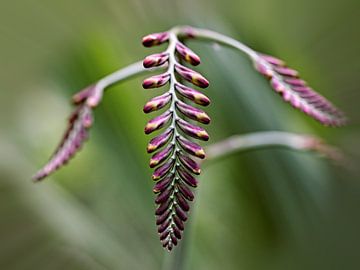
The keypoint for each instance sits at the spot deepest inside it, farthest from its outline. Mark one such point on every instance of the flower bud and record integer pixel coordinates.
(163, 170)
(180, 213)
(164, 226)
(191, 147)
(163, 184)
(192, 130)
(161, 156)
(157, 103)
(162, 208)
(193, 113)
(158, 122)
(187, 177)
(178, 222)
(272, 60)
(191, 76)
(192, 94)
(285, 71)
(156, 81)
(184, 190)
(176, 231)
(155, 60)
(187, 54)
(182, 202)
(163, 196)
(159, 141)
(189, 163)
(163, 217)
(155, 39)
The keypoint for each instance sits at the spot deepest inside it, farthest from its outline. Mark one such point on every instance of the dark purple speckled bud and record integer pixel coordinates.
(163, 184)
(178, 222)
(158, 122)
(162, 208)
(189, 163)
(192, 112)
(164, 235)
(187, 177)
(192, 94)
(163, 217)
(191, 76)
(163, 170)
(157, 103)
(161, 156)
(164, 226)
(187, 54)
(182, 202)
(156, 81)
(185, 191)
(180, 213)
(163, 196)
(191, 147)
(192, 130)
(160, 140)
(155, 60)
(177, 232)
(173, 239)
(155, 39)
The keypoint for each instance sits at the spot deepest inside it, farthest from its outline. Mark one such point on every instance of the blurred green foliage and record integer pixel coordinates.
(271, 209)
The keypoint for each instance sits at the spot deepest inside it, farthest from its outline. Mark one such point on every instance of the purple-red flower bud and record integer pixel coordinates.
(180, 200)
(189, 163)
(178, 222)
(187, 54)
(272, 60)
(176, 231)
(163, 217)
(161, 156)
(163, 196)
(193, 113)
(156, 81)
(192, 94)
(163, 170)
(163, 184)
(158, 122)
(162, 208)
(192, 130)
(191, 76)
(187, 177)
(185, 191)
(157, 103)
(155, 39)
(285, 71)
(164, 226)
(191, 147)
(155, 60)
(180, 213)
(160, 140)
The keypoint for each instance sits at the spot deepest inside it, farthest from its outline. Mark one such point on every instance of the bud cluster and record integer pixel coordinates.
(296, 91)
(174, 153)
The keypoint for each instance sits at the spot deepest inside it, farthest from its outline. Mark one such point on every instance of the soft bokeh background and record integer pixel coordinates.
(270, 209)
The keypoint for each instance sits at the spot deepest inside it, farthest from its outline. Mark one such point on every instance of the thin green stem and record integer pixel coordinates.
(260, 140)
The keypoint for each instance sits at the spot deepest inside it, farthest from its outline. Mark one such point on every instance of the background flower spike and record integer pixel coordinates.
(295, 91)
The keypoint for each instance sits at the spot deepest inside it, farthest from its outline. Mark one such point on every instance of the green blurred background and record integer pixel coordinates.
(269, 209)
